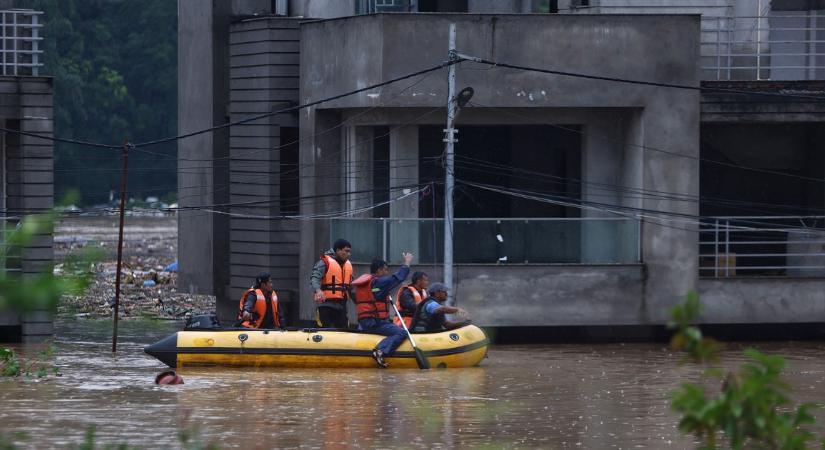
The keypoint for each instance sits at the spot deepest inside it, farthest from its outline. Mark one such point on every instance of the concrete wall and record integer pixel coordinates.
(203, 174)
(663, 48)
(762, 300)
(203, 43)
(26, 103)
(263, 77)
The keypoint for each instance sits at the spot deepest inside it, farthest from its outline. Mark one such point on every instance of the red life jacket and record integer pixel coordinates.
(337, 279)
(365, 302)
(406, 313)
(259, 309)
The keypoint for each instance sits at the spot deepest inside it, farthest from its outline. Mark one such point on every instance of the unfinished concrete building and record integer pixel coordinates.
(580, 202)
(26, 104)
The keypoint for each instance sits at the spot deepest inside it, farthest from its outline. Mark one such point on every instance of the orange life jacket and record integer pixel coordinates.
(406, 313)
(259, 309)
(337, 279)
(365, 302)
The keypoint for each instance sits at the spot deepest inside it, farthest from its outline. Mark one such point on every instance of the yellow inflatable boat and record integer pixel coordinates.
(462, 347)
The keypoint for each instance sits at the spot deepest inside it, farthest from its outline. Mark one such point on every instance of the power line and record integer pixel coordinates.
(638, 82)
(298, 107)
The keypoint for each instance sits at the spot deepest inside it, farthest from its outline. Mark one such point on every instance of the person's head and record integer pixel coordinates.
(168, 377)
(438, 291)
(378, 268)
(342, 249)
(420, 280)
(263, 281)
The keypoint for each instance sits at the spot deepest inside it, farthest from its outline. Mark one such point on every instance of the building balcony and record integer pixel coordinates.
(779, 46)
(20, 42)
(537, 241)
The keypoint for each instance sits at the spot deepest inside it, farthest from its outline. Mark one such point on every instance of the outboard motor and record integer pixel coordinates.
(202, 322)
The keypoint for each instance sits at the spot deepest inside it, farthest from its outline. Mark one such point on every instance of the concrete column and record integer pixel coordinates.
(358, 156)
(403, 234)
(601, 162)
(632, 171)
(320, 159)
(670, 249)
(203, 40)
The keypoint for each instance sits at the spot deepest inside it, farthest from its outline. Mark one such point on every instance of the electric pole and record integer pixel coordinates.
(449, 167)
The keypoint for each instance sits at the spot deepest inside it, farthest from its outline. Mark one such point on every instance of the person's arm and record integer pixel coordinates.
(318, 272)
(281, 323)
(387, 283)
(249, 306)
(451, 324)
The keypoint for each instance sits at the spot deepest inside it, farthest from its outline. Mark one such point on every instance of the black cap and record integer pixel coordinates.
(262, 278)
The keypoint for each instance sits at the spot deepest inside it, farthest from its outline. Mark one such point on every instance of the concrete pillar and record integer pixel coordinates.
(632, 171)
(403, 234)
(358, 166)
(320, 169)
(601, 162)
(670, 249)
(203, 40)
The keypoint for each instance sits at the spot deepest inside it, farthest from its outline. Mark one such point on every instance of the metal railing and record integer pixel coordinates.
(780, 46)
(10, 255)
(787, 246)
(495, 241)
(20, 42)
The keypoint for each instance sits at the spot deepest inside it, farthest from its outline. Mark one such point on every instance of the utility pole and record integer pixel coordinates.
(449, 167)
(123, 178)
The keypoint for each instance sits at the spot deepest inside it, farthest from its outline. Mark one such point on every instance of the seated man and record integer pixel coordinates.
(430, 314)
(372, 302)
(258, 307)
(410, 296)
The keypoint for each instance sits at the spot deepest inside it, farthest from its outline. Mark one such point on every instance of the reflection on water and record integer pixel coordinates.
(542, 396)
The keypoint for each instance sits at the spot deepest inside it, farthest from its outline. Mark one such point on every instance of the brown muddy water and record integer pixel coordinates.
(593, 396)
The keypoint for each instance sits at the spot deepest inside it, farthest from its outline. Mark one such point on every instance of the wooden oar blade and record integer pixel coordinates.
(421, 359)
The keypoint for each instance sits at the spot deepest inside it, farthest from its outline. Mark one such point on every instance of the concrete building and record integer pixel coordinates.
(27, 177)
(632, 179)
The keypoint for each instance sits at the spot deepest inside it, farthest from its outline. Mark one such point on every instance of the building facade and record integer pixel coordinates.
(579, 201)
(27, 175)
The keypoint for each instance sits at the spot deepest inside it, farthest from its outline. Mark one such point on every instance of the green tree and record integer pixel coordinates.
(114, 64)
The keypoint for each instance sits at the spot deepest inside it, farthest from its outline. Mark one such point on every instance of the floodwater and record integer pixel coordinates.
(594, 396)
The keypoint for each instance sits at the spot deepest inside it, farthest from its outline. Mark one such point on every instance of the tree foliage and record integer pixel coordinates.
(751, 406)
(114, 64)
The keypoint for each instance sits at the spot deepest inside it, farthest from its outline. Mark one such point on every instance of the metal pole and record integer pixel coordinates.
(716, 250)
(758, 40)
(123, 176)
(727, 248)
(449, 164)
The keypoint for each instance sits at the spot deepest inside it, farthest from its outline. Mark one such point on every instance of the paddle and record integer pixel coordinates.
(419, 355)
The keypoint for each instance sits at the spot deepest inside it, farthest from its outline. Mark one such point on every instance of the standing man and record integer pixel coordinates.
(429, 316)
(372, 301)
(331, 281)
(258, 307)
(410, 296)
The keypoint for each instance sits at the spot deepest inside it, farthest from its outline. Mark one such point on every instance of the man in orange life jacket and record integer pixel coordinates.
(331, 281)
(372, 301)
(259, 305)
(410, 296)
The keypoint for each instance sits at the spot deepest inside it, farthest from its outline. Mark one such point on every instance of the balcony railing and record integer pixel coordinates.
(20, 40)
(785, 246)
(495, 241)
(779, 46)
